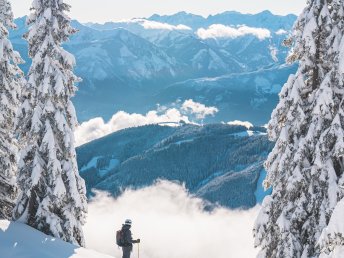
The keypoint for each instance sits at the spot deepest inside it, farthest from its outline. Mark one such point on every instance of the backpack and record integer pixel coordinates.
(120, 241)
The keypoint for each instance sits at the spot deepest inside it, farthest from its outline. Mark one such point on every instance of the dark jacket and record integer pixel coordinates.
(128, 238)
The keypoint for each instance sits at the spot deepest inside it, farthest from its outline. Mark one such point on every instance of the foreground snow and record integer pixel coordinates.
(19, 240)
(338, 252)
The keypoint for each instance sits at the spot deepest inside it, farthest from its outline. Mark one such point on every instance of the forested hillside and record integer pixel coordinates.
(137, 157)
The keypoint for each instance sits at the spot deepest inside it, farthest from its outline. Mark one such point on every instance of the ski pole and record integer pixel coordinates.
(138, 250)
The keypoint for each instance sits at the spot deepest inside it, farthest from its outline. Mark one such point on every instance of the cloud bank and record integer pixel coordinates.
(97, 127)
(170, 224)
(200, 110)
(222, 31)
(281, 32)
(154, 25)
(247, 124)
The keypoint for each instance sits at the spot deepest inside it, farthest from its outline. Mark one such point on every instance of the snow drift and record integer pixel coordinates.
(21, 241)
(170, 222)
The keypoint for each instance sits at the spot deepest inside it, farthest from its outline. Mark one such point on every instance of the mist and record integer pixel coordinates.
(170, 223)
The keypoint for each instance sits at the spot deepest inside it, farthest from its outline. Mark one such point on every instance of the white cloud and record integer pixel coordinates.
(281, 32)
(247, 124)
(222, 31)
(171, 224)
(97, 127)
(200, 110)
(154, 25)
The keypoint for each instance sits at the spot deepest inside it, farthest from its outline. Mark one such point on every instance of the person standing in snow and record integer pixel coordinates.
(127, 246)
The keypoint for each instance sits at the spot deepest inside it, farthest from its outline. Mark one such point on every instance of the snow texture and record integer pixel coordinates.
(18, 240)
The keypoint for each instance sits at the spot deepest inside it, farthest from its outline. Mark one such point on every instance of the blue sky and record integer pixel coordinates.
(112, 10)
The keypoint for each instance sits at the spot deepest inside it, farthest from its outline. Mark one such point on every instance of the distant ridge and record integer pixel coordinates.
(195, 21)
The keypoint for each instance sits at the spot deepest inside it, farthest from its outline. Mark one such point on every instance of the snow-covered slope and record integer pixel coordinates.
(231, 188)
(137, 157)
(21, 241)
(119, 53)
(247, 96)
(178, 35)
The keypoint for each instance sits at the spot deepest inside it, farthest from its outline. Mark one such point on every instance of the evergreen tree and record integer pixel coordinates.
(332, 238)
(53, 195)
(10, 84)
(306, 163)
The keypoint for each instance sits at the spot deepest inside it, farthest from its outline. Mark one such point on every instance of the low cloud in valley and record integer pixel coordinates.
(171, 224)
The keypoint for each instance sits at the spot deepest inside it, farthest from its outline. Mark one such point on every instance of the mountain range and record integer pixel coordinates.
(136, 64)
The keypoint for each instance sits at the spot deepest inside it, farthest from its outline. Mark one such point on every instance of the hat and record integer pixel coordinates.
(128, 222)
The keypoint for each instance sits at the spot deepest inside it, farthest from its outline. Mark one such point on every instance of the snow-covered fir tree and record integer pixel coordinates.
(306, 163)
(332, 238)
(11, 79)
(53, 195)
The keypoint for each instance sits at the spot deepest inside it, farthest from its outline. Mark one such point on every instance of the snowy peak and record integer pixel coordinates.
(214, 45)
(263, 19)
(119, 53)
(132, 63)
(188, 19)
